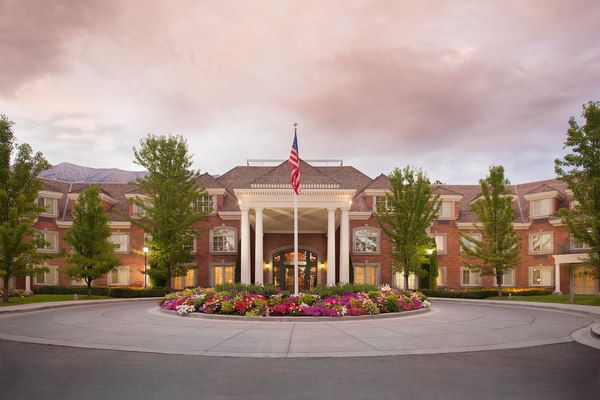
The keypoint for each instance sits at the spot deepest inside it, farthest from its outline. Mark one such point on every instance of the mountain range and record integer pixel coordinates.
(68, 172)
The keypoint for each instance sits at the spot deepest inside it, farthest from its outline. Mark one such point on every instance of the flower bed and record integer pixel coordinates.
(17, 293)
(211, 301)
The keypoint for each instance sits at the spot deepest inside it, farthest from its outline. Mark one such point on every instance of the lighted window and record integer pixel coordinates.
(121, 239)
(540, 243)
(222, 274)
(366, 241)
(119, 276)
(469, 277)
(446, 210)
(440, 243)
(49, 277)
(541, 208)
(366, 274)
(188, 280)
(50, 241)
(540, 276)
(50, 205)
(413, 281)
(223, 240)
(441, 278)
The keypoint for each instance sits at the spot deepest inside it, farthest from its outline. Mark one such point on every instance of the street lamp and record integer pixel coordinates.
(145, 253)
(429, 253)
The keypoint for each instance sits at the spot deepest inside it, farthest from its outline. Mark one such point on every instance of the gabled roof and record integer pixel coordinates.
(309, 176)
(445, 191)
(542, 189)
(208, 181)
(381, 182)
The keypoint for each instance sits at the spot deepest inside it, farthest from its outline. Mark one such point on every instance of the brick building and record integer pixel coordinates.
(252, 205)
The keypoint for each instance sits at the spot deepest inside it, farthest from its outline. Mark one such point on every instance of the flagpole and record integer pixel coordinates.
(295, 244)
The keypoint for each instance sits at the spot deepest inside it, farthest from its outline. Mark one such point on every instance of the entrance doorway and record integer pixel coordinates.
(283, 269)
(583, 283)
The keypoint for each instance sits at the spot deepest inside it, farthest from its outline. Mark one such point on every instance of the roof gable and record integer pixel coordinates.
(309, 177)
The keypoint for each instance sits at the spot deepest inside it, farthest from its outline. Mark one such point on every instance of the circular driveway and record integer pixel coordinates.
(449, 327)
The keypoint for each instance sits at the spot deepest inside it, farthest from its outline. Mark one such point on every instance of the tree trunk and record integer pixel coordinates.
(5, 289)
(499, 280)
(406, 281)
(169, 279)
(89, 289)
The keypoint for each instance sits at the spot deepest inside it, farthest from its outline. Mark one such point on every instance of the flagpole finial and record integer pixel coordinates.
(295, 126)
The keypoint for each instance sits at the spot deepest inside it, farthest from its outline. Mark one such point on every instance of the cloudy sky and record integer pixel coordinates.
(448, 86)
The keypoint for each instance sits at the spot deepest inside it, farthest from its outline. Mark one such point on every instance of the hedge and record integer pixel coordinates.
(119, 292)
(484, 293)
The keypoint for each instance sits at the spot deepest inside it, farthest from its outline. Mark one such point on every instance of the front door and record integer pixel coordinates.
(584, 284)
(283, 270)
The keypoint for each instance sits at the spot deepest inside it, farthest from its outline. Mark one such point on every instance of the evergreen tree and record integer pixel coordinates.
(498, 250)
(411, 208)
(169, 204)
(580, 169)
(19, 188)
(93, 254)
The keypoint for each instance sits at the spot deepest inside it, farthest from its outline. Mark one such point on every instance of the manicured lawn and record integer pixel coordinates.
(39, 298)
(582, 299)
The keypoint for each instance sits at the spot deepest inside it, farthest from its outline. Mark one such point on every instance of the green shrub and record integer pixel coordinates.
(484, 293)
(341, 289)
(125, 292)
(118, 292)
(264, 290)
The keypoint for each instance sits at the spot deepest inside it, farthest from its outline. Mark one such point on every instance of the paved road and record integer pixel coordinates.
(562, 371)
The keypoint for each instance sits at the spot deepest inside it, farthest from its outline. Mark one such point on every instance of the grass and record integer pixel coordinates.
(40, 298)
(581, 299)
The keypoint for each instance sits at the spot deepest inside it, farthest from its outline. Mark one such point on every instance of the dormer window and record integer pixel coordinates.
(541, 208)
(50, 205)
(446, 210)
(205, 203)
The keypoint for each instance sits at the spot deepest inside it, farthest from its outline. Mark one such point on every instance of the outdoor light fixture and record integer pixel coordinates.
(430, 251)
(145, 249)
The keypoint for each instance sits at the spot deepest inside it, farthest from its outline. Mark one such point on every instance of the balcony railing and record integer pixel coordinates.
(571, 248)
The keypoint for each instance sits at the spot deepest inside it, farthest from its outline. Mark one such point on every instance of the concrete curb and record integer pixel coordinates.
(296, 319)
(23, 308)
(595, 330)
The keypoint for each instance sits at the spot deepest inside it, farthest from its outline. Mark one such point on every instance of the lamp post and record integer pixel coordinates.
(429, 253)
(145, 254)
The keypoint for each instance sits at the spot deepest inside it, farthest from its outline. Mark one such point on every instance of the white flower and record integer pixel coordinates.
(386, 288)
(426, 304)
(183, 309)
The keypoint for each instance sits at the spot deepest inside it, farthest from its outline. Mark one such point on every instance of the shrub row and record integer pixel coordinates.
(321, 290)
(119, 292)
(484, 293)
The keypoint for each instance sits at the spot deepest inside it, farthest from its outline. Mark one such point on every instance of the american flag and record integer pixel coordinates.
(294, 162)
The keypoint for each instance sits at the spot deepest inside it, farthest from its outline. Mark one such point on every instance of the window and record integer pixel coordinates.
(189, 279)
(192, 246)
(469, 277)
(119, 276)
(366, 240)
(441, 278)
(541, 208)
(440, 243)
(366, 274)
(47, 278)
(51, 239)
(222, 274)
(467, 243)
(138, 211)
(540, 276)
(413, 281)
(205, 203)
(51, 206)
(381, 204)
(121, 239)
(78, 282)
(446, 210)
(508, 278)
(223, 240)
(540, 243)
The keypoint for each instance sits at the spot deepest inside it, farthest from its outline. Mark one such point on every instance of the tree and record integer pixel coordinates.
(498, 250)
(19, 187)
(93, 254)
(169, 205)
(580, 169)
(410, 209)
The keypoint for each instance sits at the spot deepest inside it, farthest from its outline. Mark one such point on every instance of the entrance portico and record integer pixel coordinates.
(268, 208)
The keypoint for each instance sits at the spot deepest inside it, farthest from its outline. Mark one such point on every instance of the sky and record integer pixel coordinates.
(448, 86)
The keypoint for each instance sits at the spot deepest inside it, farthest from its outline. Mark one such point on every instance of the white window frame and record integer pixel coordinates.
(118, 250)
(541, 267)
(512, 277)
(51, 205)
(137, 211)
(201, 206)
(451, 214)
(442, 278)
(365, 267)
(461, 239)
(121, 269)
(398, 280)
(443, 251)
(53, 247)
(377, 240)
(532, 251)
(387, 208)
(212, 242)
(194, 246)
(532, 212)
(53, 271)
(213, 267)
(472, 274)
(78, 282)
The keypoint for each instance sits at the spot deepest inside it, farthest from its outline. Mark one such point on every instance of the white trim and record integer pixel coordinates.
(540, 196)
(530, 275)
(445, 235)
(230, 215)
(216, 191)
(518, 226)
(119, 224)
(50, 195)
(360, 215)
(556, 222)
(368, 228)
(451, 197)
(103, 196)
(377, 192)
(117, 250)
(211, 240)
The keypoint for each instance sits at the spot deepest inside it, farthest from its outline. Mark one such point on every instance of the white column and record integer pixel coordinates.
(557, 277)
(28, 282)
(245, 256)
(258, 247)
(331, 246)
(345, 247)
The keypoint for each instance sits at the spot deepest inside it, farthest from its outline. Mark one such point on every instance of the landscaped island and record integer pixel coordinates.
(255, 301)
